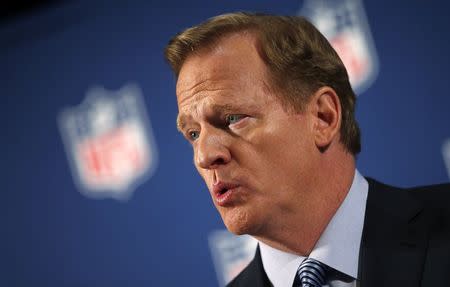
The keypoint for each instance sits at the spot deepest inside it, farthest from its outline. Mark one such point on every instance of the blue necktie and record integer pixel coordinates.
(311, 273)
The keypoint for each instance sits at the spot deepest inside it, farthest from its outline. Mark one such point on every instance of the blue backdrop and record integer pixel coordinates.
(52, 235)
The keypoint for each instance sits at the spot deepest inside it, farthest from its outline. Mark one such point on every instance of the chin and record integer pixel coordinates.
(240, 222)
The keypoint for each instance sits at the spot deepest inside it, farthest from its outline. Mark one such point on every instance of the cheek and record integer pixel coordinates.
(283, 141)
(281, 153)
(204, 175)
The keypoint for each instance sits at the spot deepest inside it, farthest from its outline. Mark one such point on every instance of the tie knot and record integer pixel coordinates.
(311, 273)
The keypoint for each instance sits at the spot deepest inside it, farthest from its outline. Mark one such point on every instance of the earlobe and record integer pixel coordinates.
(327, 109)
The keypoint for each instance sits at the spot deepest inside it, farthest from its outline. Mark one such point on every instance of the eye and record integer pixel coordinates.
(193, 135)
(231, 119)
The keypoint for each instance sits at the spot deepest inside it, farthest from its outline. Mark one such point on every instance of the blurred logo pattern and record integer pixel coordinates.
(344, 23)
(446, 155)
(109, 142)
(231, 253)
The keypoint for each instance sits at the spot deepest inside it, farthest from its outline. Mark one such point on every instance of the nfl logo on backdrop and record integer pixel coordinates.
(231, 254)
(344, 24)
(109, 142)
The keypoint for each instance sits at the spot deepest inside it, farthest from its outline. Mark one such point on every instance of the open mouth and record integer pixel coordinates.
(223, 191)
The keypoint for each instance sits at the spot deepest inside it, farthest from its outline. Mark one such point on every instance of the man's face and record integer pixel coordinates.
(255, 156)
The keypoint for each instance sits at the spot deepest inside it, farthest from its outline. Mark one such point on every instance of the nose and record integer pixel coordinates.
(211, 150)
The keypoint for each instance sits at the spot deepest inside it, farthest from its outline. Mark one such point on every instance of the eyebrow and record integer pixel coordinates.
(181, 123)
(216, 109)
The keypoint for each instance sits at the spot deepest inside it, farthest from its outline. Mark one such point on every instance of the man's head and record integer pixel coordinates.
(298, 56)
(263, 108)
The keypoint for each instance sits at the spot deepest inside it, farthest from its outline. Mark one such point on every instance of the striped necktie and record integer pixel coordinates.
(311, 273)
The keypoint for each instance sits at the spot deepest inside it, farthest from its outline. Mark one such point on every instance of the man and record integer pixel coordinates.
(266, 103)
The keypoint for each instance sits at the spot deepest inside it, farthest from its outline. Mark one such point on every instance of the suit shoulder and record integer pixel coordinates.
(436, 199)
(433, 196)
(431, 202)
(441, 190)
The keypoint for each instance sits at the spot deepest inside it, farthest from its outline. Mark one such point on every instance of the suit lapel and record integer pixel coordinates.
(394, 239)
(253, 274)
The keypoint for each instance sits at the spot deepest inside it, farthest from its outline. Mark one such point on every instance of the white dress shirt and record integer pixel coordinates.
(337, 247)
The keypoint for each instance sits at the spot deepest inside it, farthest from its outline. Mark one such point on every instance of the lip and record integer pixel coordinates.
(224, 198)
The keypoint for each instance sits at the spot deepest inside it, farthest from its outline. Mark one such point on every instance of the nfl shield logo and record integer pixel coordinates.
(109, 143)
(344, 24)
(231, 254)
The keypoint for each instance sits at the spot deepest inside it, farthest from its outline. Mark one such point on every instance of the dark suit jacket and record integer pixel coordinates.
(405, 240)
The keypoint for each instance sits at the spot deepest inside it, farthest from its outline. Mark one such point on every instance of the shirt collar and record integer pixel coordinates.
(337, 247)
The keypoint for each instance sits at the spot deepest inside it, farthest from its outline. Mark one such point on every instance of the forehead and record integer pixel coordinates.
(232, 61)
(229, 77)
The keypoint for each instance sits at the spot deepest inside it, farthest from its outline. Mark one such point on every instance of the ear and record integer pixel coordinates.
(326, 109)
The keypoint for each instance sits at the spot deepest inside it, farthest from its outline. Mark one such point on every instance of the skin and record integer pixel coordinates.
(291, 171)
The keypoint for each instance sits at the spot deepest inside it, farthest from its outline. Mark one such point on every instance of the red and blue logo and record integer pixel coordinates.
(344, 23)
(109, 142)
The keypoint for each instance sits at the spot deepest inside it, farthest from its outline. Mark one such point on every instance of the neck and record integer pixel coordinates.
(299, 230)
